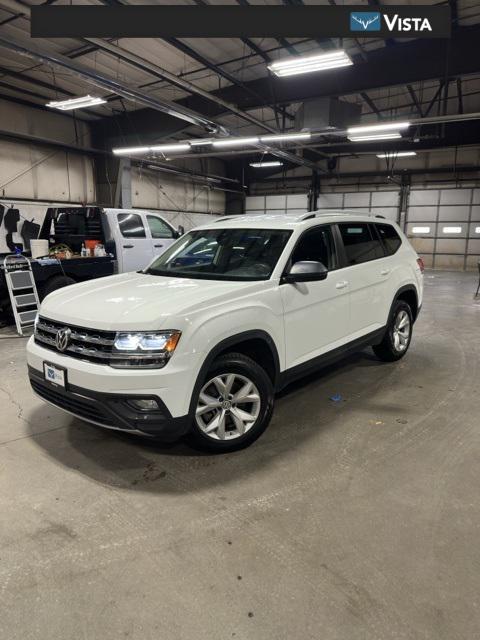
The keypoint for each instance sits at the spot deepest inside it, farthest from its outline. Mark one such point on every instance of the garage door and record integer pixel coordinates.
(444, 226)
(291, 203)
(383, 203)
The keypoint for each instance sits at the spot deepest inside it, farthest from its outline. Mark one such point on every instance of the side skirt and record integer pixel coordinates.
(290, 375)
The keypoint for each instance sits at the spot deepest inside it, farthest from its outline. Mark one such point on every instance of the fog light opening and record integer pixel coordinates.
(144, 404)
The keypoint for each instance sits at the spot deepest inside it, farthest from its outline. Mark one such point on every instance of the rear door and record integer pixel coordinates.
(316, 314)
(134, 245)
(162, 234)
(364, 255)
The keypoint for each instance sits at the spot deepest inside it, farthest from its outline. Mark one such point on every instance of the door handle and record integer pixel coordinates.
(385, 272)
(128, 246)
(157, 246)
(341, 285)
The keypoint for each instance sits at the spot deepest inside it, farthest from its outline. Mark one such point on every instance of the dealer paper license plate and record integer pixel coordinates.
(54, 374)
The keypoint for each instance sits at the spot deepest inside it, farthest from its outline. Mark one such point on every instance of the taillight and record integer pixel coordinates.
(421, 264)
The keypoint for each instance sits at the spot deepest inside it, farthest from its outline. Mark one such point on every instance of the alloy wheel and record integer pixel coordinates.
(228, 406)
(401, 331)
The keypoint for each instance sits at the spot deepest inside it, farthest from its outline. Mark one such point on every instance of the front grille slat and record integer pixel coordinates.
(86, 344)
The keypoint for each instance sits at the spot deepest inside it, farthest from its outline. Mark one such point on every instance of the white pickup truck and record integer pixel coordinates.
(133, 236)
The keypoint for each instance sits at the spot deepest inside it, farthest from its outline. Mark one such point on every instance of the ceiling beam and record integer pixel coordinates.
(405, 63)
(413, 95)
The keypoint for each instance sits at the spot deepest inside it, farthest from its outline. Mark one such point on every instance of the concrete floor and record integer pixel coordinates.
(351, 520)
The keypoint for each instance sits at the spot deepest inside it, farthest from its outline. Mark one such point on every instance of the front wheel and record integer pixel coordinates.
(233, 406)
(398, 335)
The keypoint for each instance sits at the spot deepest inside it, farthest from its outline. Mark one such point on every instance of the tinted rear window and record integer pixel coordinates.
(359, 242)
(390, 238)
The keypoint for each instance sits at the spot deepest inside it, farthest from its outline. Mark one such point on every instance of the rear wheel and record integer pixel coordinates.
(234, 404)
(398, 335)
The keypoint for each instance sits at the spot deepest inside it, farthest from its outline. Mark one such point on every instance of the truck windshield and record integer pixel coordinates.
(223, 254)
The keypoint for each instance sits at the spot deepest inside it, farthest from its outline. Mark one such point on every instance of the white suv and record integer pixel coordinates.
(199, 342)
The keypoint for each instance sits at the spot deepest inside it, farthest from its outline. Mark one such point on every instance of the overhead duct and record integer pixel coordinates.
(327, 113)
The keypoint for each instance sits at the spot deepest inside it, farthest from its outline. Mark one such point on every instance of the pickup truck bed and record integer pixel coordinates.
(48, 271)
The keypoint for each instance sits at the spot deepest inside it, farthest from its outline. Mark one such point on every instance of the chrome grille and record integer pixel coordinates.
(87, 344)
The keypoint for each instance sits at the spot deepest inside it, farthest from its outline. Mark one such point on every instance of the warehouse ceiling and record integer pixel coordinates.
(226, 80)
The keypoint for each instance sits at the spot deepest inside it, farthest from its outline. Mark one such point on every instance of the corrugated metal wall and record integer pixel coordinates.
(443, 224)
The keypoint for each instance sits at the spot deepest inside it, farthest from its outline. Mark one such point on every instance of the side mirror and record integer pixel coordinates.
(180, 231)
(306, 271)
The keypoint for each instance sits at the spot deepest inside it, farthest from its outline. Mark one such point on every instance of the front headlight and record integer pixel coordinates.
(144, 349)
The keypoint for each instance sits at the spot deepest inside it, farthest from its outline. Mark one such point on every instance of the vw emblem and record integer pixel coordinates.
(62, 338)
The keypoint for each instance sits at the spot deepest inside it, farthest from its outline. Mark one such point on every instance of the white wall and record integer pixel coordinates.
(30, 171)
(181, 200)
(47, 175)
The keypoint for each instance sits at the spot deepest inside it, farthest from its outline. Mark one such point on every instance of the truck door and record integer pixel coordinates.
(134, 245)
(162, 233)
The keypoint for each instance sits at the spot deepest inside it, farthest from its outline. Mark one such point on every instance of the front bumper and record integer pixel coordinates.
(110, 410)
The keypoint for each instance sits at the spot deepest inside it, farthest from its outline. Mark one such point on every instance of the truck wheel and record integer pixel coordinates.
(233, 406)
(398, 335)
(57, 282)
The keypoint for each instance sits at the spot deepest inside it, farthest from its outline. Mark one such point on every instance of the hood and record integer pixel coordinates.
(136, 301)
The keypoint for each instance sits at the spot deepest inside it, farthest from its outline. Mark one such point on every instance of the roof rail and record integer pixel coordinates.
(336, 212)
(222, 218)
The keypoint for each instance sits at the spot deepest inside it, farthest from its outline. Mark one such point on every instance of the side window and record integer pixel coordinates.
(360, 245)
(318, 245)
(390, 238)
(131, 225)
(159, 228)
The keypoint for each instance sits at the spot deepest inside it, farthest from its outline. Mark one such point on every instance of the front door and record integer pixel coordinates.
(134, 245)
(316, 313)
(162, 234)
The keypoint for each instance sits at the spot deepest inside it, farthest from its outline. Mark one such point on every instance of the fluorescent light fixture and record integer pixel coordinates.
(452, 230)
(75, 103)
(269, 163)
(235, 142)
(130, 151)
(376, 136)
(396, 154)
(377, 128)
(164, 148)
(420, 229)
(306, 64)
(200, 142)
(477, 229)
(281, 137)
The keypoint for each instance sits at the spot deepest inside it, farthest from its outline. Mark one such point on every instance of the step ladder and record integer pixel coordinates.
(22, 290)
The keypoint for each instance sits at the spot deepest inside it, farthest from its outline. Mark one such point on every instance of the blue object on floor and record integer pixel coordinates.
(336, 398)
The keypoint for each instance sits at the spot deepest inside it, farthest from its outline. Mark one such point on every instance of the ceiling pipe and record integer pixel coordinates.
(138, 62)
(34, 52)
(342, 133)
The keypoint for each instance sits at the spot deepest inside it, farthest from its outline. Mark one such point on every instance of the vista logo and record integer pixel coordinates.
(365, 21)
(372, 21)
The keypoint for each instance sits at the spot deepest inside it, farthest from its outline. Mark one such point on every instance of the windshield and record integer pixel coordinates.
(223, 254)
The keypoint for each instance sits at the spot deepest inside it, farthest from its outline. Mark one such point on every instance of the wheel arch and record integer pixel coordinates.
(250, 343)
(409, 294)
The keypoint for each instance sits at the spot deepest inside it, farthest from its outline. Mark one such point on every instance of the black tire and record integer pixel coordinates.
(243, 366)
(56, 282)
(387, 349)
